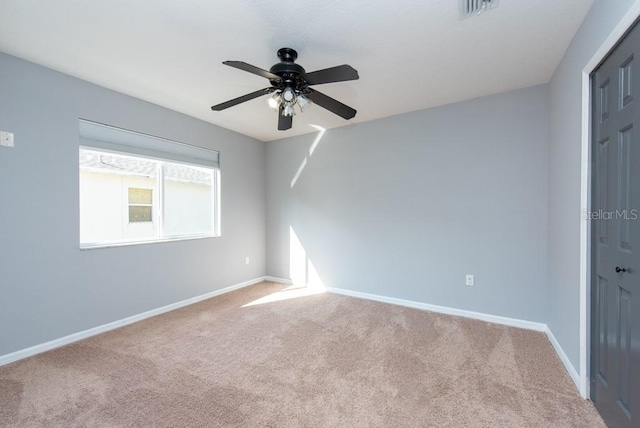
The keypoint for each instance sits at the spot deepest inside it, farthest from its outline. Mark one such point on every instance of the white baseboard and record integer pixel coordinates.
(278, 280)
(512, 322)
(56, 343)
(573, 373)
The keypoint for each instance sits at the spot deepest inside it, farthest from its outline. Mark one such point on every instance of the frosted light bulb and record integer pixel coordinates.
(288, 111)
(273, 102)
(303, 102)
(288, 95)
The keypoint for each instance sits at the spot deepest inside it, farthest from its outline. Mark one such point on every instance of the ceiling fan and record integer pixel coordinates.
(290, 87)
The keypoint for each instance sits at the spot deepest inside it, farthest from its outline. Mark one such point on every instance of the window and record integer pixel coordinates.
(140, 204)
(133, 192)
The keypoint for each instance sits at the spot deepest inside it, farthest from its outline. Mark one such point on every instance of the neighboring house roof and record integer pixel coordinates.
(121, 165)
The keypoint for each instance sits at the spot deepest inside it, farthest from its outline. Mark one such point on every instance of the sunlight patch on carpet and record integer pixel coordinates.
(292, 292)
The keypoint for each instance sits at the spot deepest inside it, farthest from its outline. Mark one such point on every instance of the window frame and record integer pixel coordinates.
(158, 201)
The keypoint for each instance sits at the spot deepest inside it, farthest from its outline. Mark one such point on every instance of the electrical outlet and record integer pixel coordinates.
(246, 260)
(469, 280)
(6, 139)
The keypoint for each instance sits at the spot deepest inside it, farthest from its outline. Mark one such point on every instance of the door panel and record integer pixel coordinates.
(602, 187)
(626, 75)
(602, 329)
(624, 350)
(624, 197)
(615, 313)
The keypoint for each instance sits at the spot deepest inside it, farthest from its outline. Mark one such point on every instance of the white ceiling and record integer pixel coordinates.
(410, 54)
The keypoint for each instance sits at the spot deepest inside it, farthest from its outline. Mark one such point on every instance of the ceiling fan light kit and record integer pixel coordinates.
(290, 87)
(289, 99)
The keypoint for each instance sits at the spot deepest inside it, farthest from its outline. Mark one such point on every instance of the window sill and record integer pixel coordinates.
(96, 246)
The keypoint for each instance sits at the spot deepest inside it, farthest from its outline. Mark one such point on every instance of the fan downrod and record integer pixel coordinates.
(287, 55)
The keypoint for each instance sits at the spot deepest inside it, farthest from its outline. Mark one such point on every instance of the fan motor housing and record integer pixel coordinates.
(291, 73)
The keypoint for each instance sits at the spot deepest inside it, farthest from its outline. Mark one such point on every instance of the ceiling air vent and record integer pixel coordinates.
(476, 7)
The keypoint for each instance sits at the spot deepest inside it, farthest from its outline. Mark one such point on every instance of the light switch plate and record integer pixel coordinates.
(6, 139)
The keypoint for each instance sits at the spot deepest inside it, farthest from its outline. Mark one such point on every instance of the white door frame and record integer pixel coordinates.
(585, 192)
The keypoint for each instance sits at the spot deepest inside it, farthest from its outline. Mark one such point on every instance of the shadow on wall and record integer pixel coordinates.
(302, 272)
(301, 269)
(315, 143)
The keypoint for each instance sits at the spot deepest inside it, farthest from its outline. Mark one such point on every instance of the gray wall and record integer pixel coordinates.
(401, 207)
(564, 173)
(48, 287)
(406, 206)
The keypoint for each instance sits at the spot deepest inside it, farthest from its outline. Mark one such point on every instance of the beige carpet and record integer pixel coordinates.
(306, 361)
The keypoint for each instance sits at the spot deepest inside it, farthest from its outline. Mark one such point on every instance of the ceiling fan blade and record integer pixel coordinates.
(242, 99)
(284, 122)
(340, 73)
(331, 104)
(252, 69)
